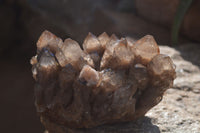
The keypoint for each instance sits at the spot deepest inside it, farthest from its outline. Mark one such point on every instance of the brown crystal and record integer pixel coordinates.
(145, 49)
(104, 39)
(49, 39)
(110, 81)
(118, 55)
(91, 44)
(89, 75)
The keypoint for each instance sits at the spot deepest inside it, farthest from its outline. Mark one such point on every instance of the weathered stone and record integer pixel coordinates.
(77, 89)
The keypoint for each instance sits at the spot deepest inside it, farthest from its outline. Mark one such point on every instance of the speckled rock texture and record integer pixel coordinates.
(109, 81)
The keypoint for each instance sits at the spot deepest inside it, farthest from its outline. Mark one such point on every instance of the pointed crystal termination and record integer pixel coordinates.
(71, 52)
(89, 76)
(118, 53)
(50, 40)
(104, 39)
(161, 68)
(110, 80)
(46, 65)
(91, 44)
(112, 41)
(145, 49)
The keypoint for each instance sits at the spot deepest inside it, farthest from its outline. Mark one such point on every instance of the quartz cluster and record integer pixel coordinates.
(107, 80)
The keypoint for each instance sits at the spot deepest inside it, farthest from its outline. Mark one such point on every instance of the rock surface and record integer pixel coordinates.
(120, 84)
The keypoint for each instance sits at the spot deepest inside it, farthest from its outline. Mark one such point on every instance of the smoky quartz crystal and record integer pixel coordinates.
(104, 80)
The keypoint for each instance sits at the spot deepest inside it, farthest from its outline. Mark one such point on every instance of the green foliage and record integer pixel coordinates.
(181, 10)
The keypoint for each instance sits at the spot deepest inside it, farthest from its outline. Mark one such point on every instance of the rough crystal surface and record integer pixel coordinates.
(109, 81)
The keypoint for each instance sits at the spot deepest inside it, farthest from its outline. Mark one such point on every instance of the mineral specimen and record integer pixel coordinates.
(110, 80)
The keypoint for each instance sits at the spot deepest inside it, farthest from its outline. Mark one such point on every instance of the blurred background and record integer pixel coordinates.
(22, 22)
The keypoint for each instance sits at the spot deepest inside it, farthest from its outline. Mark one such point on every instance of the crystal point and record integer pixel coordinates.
(91, 44)
(50, 40)
(145, 49)
(103, 39)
